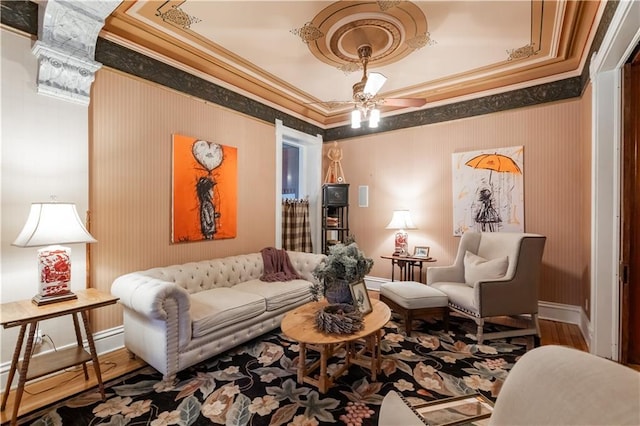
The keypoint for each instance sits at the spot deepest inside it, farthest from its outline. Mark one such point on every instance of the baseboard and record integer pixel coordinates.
(105, 341)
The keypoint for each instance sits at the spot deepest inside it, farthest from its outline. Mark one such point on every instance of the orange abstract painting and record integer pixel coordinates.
(205, 190)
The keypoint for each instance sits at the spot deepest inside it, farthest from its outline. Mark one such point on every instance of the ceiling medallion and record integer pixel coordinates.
(386, 33)
(393, 30)
(308, 32)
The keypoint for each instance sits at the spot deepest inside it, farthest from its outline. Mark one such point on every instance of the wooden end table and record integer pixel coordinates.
(299, 324)
(24, 313)
(406, 264)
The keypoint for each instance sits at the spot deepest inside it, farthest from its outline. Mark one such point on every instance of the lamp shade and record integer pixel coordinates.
(375, 80)
(356, 116)
(401, 219)
(374, 117)
(53, 223)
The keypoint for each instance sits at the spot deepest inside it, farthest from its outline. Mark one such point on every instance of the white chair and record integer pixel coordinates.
(494, 274)
(551, 385)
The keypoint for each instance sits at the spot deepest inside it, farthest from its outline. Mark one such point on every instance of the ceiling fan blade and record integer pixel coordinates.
(404, 102)
(375, 80)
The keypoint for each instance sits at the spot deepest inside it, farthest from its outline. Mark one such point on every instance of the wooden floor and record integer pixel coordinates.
(40, 393)
(49, 390)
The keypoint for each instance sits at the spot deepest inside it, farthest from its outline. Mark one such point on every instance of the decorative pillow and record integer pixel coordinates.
(477, 268)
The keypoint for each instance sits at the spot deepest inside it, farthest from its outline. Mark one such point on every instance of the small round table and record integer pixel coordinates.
(300, 325)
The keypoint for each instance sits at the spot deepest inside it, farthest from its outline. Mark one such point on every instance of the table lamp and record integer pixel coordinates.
(401, 220)
(51, 224)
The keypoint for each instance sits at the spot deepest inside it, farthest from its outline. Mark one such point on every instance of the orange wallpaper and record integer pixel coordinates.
(131, 126)
(411, 169)
(130, 182)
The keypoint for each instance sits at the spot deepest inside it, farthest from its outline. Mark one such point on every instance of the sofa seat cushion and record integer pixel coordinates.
(277, 294)
(217, 308)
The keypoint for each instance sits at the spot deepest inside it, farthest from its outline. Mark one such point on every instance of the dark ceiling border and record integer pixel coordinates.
(23, 15)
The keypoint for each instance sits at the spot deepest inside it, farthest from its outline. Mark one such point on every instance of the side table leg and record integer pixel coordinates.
(92, 351)
(393, 269)
(22, 379)
(76, 327)
(14, 365)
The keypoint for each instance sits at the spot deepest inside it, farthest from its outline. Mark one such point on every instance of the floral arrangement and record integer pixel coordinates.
(345, 263)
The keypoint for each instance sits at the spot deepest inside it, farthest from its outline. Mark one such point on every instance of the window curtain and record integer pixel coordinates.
(296, 230)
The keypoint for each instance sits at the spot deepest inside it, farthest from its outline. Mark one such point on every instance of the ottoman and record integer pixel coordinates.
(413, 300)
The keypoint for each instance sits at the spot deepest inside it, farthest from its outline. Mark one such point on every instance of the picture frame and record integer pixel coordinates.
(421, 252)
(465, 409)
(360, 297)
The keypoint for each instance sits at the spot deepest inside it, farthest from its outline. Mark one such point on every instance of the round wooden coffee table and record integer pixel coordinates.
(362, 347)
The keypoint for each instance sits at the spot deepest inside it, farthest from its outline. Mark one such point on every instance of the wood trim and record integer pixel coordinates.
(630, 209)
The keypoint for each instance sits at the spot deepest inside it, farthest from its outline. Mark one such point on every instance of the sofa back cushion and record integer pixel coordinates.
(477, 268)
(208, 274)
(228, 271)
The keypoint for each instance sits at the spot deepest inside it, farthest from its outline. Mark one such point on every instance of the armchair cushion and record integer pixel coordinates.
(477, 268)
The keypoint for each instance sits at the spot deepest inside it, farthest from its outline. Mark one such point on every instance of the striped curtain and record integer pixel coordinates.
(296, 231)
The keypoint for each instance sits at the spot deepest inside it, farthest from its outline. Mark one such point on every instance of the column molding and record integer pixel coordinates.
(67, 35)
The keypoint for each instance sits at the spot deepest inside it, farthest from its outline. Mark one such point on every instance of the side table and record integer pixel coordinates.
(406, 264)
(24, 313)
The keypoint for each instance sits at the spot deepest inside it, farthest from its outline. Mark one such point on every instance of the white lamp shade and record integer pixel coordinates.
(375, 80)
(374, 117)
(53, 223)
(401, 219)
(355, 119)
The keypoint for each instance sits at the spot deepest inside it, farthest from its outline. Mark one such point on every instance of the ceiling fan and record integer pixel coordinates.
(365, 91)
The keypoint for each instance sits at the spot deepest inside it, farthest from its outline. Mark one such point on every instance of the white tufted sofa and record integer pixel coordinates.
(177, 316)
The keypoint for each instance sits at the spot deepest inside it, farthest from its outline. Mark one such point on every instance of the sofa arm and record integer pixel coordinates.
(437, 274)
(148, 297)
(506, 297)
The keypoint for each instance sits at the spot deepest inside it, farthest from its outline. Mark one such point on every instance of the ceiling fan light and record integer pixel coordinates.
(355, 119)
(374, 117)
(375, 80)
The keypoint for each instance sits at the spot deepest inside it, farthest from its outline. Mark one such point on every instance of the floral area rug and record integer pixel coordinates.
(255, 384)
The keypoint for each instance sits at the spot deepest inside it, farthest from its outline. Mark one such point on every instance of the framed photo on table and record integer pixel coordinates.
(466, 409)
(360, 297)
(421, 252)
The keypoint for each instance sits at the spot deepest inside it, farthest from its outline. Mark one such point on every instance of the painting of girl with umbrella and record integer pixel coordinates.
(488, 190)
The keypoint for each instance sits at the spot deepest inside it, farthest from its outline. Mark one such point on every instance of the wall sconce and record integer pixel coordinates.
(401, 220)
(52, 224)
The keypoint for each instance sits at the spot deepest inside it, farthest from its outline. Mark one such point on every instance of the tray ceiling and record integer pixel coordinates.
(298, 56)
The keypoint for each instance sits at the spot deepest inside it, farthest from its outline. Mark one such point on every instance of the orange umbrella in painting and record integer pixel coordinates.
(494, 163)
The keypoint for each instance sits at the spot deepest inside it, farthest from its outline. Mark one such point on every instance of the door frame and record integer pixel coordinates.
(311, 165)
(605, 69)
(630, 231)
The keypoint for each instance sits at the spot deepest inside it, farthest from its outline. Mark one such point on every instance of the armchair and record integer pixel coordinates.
(494, 274)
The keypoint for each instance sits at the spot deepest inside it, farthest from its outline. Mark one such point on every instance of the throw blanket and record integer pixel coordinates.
(277, 266)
